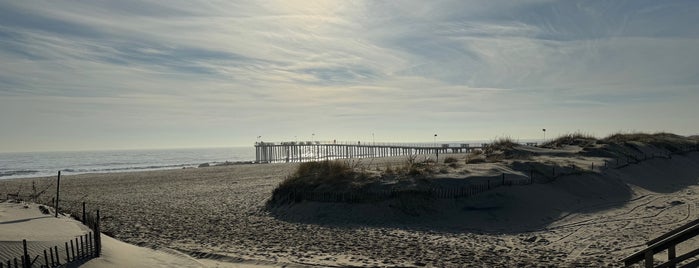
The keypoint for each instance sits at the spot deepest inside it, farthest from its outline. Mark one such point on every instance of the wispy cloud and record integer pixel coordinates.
(228, 70)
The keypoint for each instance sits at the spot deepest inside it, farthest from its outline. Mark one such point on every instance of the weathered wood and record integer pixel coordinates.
(82, 248)
(25, 257)
(53, 263)
(98, 236)
(72, 249)
(673, 232)
(648, 258)
(58, 190)
(313, 151)
(67, 253)
(58, 258)
(46, 259)
(663, 244)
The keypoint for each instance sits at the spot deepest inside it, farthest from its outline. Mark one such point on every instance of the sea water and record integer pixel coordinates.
(41, 164)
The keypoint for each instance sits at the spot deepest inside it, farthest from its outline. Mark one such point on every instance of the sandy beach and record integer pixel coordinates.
(219, 214)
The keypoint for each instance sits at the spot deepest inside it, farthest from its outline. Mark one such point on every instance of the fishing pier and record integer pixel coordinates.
(286, 152)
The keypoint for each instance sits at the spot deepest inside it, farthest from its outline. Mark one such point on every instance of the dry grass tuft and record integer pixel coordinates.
(450, 159)
(577, 138)
(325, 174)
(669, 141)
(500, 144)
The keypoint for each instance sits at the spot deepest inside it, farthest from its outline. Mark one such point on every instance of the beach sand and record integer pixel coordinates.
(218, 216)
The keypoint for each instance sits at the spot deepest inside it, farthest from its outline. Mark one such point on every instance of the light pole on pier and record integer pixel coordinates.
(435, 140)
(544, 134)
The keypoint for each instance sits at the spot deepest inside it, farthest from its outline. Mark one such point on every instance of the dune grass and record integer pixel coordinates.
(576, 138)
(669, 141)
(501, 143)
(326, 174)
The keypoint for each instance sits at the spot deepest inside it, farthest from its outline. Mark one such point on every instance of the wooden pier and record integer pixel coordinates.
(286, 152)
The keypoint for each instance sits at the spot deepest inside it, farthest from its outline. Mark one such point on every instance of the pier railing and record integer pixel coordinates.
(304, 151)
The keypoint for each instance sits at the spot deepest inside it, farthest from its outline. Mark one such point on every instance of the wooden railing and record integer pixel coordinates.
(669, 242)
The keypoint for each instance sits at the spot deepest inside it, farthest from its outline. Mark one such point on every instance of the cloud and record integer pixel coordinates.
(350, 65)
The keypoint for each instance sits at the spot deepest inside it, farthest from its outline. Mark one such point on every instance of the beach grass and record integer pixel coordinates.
(576, 138)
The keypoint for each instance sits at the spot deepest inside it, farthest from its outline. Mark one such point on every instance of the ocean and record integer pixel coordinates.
(42, 164)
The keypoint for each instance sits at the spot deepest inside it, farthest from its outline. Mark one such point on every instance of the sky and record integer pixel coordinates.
(98, 75)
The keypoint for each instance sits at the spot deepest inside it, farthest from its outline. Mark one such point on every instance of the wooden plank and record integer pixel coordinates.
(693, 264)
(681, 258)
(664, 244)
(673, 232)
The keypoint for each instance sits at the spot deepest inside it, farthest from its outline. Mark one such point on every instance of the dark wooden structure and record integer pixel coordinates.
(668, 242)
(285, 152)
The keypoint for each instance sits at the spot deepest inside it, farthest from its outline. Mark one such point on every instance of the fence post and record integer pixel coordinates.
(671, 253)
(649, 258)
(72, 249)
(52, 261)
(592, 166)
(26, 254)
(58, 259)
(46, 259)
(83, 218)
(98, 236)
(58, 188)
(68, 254)
(503, 179)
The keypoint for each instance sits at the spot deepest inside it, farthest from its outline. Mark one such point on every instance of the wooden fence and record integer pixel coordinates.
(79, 249)
(75, 251)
